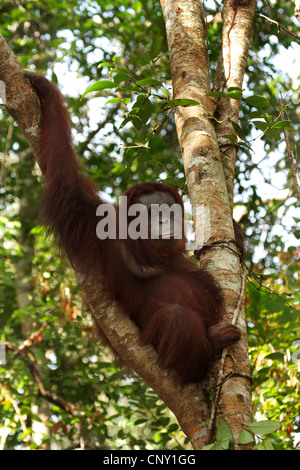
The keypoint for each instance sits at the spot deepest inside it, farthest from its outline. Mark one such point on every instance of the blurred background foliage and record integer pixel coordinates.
(58, 386)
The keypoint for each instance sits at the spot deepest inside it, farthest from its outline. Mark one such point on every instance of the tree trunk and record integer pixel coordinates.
(210, 175)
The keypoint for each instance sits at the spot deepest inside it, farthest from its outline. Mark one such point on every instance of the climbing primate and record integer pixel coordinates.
(177, 306)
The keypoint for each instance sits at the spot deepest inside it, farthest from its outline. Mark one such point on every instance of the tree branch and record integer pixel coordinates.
(280, 26)
(33, 367)
(7, 393)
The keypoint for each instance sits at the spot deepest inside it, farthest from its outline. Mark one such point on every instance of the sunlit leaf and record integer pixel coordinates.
(264, 427)
(102, 85)
(180, 102)
(257, 101)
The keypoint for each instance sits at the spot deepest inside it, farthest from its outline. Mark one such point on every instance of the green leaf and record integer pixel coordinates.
(137, 122)
(119, 78)
(256, 114)
(238, 130)
(125, 121)
(145, 106)
(277, 356)
(224, 434)
(173, 428)
(235, 94)
(259, 446)
(246, 145)
(262, 375)
(102, 85)
(235, 88)
(148, 81)
(106, 64)
(118, 100)
(260, 115)
(257, 101)
(217, 94)
(262, 126)
(126, 88)
(274, 133)
(230, 137)
(180, 102)
(144, 59)
(140, 421)
(283, 125)
(264, 427)
(245, 437)
(124, 70)
(165, 92)
(268, 444)
(210, 447)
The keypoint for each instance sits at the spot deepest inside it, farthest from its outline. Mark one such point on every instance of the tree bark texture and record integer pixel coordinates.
(209, 176)
(236, 36)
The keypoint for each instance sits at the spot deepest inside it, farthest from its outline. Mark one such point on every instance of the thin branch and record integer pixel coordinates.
(280, 26)
(263, 288)
(29, 359)
(47, 394)
(34, 337)
(224, 244)
(14, 403)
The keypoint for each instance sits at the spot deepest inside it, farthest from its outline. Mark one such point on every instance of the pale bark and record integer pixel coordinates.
(236, 35)
(195, 127)
(208, 186)
(21, 103)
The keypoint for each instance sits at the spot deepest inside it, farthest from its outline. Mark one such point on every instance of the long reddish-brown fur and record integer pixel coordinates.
(177, 307)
